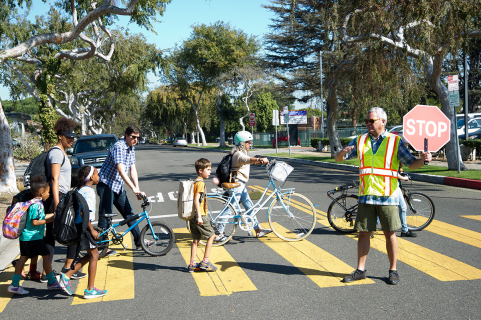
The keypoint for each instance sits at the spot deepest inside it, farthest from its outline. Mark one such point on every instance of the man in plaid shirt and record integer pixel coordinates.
(113, 174)
(376, 196)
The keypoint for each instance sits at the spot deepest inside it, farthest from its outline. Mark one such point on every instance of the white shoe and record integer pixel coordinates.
(264, 232)
(221, 237)
(17, 290)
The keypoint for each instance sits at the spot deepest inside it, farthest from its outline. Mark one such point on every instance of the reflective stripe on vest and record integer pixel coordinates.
(378, 172)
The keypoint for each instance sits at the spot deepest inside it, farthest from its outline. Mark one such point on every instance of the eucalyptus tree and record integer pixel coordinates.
(425, 31)
(202, 61)
(16, 44)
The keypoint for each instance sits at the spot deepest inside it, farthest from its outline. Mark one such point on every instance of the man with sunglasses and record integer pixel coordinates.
(113, 174)
(379, 153)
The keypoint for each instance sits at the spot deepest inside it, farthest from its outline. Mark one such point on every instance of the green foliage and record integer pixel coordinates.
(263, 107)
(27, 106)
(153, 141)
(30, 147)
(471, 143)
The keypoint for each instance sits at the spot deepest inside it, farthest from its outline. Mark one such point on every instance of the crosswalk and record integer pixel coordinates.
(324, 269)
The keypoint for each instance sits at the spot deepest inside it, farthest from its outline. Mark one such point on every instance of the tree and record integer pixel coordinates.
(263, 106)
(16, 44)
(423, 32)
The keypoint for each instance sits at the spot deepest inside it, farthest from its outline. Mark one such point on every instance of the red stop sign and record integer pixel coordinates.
(426, 122)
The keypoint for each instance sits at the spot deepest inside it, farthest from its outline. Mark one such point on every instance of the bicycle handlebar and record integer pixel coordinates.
(354, 184)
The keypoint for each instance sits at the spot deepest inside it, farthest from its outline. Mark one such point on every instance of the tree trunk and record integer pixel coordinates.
(8, 181)
(433, 69)
(332, 115)
(221, 123)
(199, 129)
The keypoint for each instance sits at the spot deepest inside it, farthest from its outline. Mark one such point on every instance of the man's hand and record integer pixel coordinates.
(139, 193)
(340, 155)
(427, 156)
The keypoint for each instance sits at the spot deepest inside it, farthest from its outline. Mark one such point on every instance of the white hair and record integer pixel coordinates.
(239, 147)
(380, 113)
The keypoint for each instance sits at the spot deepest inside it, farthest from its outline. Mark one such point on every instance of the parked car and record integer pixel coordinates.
(474, 124)
(90, 150)
(472, 135)
(181, 142)
(396, 129)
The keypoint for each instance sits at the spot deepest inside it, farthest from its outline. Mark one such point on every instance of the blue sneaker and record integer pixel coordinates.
(207, 266)
(64, 283)
(191, 268)
(54, 286)
(94, 293)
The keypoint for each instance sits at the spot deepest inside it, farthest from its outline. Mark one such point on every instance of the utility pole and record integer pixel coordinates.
(322, 97)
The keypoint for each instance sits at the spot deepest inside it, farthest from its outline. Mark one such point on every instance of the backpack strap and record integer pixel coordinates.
(63, 161)
(205, 190)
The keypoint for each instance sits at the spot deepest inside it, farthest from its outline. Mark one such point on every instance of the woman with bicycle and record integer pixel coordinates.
(240, 169)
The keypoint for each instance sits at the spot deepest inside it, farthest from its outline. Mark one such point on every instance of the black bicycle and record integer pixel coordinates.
(342, 211)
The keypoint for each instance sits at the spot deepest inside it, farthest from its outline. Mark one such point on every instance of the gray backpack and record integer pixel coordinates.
(185, 200)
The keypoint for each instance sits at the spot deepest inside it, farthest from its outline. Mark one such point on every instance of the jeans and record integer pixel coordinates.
(402, 210)
(243, 197)
(108, 199)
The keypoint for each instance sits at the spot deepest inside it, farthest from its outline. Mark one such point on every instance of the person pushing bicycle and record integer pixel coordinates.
(379, 153)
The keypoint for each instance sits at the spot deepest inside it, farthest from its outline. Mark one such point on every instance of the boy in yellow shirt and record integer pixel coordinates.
(200, 225)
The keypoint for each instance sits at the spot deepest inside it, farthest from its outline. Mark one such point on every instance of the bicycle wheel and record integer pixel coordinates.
(342, 213)
(216, 205)
(423, 213)
(163, 244)
(295, 223)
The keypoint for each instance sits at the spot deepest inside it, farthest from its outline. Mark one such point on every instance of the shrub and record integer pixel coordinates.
(153, 141)
(30, 147)
(325, 142)
(471, 143)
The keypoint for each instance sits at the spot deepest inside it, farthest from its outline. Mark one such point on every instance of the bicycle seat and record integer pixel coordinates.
(110, 215)
(228, 185)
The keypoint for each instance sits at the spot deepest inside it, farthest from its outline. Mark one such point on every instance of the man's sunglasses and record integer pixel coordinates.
(134, 137)
(371, 121)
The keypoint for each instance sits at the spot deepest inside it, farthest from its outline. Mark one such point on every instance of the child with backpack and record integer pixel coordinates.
(200, 224)
(31, 238)
(87, 177)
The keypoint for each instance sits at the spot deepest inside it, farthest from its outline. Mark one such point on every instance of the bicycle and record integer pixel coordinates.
(159, 232)
(291, 215)
(342, 216)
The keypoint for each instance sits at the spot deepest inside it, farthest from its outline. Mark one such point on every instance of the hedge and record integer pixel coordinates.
(471, 143)
(325, 141)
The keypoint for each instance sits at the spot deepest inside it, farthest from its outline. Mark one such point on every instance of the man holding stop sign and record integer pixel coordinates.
(379, 153)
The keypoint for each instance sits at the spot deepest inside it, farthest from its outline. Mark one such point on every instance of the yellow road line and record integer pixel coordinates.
(474, 217)
(324, 269)
(447, 230)
(229, 277)
(6, 280)
(114, 274)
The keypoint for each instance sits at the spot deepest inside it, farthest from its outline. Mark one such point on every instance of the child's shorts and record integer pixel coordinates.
(33, 248)
(204, 231)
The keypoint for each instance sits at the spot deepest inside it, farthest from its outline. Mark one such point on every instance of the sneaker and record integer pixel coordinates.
(94, 293)
(207, 266)
(356, 275)
(64, 284)
(191, 268)
(393, 277)
(77, 275)
(409, 234)
(43, 278)
(109, 253)
(54, 286)
(221, 237)
(35, 275)
(264, 232)
(17, 290)
(148, 243)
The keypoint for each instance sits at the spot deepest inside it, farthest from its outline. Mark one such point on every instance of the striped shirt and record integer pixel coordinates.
(120, 153)
(404, 156)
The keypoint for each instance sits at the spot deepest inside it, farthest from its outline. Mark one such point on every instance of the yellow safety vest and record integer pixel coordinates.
(378, 172)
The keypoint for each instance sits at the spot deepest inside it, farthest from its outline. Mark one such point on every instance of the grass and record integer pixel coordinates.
(429, 169)
(216, 146)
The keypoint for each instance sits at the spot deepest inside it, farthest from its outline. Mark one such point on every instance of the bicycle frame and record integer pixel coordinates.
(231, 199)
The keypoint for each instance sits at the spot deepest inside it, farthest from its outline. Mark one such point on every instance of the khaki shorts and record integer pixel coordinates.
(367, 214)
(204, 231)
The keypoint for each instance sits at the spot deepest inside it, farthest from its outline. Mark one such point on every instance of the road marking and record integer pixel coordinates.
(450, 231)
(160, 197)
(228, 279)
(6, 279)
(171, 195)
(474, 217)
(324, 269)
(114, 274)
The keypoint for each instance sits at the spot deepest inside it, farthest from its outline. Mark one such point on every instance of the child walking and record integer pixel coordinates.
(200, 224)
(87, 176)
(31, 238)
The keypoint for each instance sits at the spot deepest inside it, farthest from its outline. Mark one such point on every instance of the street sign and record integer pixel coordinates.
(426, 122)
(453, 83)
(453, 97)
(275, 118)
(286, 114)
(295, 117)
(252, 119)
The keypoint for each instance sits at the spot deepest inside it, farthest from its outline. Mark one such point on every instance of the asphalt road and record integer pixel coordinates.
(440, 270)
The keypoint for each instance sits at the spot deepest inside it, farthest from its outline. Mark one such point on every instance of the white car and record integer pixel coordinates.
(181, 142)
(474, 125)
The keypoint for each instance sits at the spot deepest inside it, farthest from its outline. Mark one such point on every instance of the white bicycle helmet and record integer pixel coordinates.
(242, 136)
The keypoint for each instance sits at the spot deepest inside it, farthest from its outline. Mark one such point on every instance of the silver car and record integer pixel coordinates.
(181, 142)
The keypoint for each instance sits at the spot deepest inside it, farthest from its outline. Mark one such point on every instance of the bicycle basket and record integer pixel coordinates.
(280, 171)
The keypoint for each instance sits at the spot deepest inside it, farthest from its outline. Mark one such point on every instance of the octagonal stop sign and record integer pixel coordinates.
(426, 122)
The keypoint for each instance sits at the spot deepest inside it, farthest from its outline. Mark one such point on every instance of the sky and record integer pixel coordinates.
(180, 15)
